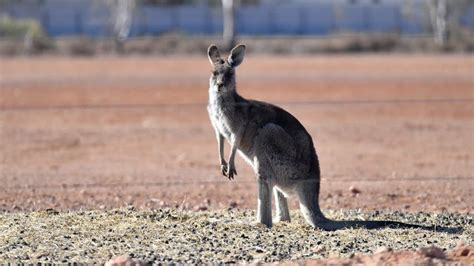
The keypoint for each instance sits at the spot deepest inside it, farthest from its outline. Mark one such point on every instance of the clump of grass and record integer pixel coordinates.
(171, 235)
(26, 32)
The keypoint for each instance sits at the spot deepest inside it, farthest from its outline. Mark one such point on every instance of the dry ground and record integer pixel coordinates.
(108, 132)
(99, 133)
(173, 235)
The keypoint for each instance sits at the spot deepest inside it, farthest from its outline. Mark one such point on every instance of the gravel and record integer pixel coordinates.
(227, 236)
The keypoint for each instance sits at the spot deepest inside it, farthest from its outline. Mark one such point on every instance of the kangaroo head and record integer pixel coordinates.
(223, 74)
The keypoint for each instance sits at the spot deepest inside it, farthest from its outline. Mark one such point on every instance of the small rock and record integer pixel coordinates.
(354, 190)
(52, 211)
(259, 250)
(124, 261)
(233, 204)
(382, 249)
(39, 256)
(319, 249)
(200, 208)
(432, 252)
(392, 195)
(461, 250)
(464, 252)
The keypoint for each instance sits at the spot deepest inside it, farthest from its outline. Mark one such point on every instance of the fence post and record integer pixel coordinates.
(228, 11)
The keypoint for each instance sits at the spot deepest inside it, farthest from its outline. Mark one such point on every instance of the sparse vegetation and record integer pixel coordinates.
(179, 43)
(24, 36)
(173, 235)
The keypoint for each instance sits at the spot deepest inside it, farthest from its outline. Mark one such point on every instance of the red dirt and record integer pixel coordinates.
(107, 132)
(461, 255)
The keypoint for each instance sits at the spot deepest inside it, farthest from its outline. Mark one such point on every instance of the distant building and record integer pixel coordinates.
(253, 17)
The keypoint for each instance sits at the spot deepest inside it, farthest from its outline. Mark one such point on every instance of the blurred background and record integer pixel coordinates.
(103, 103)
(86, 27)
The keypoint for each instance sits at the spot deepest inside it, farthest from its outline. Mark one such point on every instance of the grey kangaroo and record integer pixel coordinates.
(274, 143)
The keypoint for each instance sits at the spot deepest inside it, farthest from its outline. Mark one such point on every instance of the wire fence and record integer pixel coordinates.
(224, 180)
(201, 104)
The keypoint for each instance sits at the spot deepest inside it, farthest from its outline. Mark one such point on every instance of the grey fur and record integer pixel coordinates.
(273, 142)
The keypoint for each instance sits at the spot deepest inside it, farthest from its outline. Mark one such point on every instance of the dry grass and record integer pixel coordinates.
(172, 235)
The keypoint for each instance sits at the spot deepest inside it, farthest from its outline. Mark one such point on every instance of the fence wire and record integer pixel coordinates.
(224, 180)
(201, 104)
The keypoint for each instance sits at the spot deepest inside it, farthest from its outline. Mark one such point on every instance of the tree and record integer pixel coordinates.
(438, 12)
(121, 16)
(229, 27)
(445, 16)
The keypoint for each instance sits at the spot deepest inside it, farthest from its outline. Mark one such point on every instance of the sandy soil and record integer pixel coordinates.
(98, 133)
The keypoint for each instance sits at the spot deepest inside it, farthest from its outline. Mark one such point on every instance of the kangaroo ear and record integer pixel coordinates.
(236, 55)
(213, 54)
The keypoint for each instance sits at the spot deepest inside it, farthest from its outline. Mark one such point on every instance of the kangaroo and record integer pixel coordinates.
(274, 143)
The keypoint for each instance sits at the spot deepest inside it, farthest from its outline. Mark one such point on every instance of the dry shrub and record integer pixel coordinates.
(23, 36)
(80, 46)
(178, 43)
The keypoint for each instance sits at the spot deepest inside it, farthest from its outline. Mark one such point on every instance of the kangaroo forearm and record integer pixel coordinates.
(232, 153)
(220, 144)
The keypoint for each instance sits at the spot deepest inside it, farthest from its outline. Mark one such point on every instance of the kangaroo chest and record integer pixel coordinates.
(221, 117)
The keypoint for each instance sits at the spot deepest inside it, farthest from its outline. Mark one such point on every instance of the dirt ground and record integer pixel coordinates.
(110, 132)
(176, 236)
(100, 133)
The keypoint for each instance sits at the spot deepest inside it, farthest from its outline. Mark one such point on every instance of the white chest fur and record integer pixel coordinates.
(218, 115)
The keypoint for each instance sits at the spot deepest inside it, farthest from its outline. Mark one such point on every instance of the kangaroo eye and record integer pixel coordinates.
(214, 73)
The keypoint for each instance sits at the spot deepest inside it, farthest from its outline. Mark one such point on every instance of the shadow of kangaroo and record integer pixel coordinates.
(274, 143)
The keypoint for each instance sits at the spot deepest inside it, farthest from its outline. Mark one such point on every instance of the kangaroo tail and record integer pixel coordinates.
(309, 206)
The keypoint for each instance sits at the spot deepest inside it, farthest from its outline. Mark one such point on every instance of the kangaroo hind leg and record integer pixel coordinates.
(264, 212)
(281, 204)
